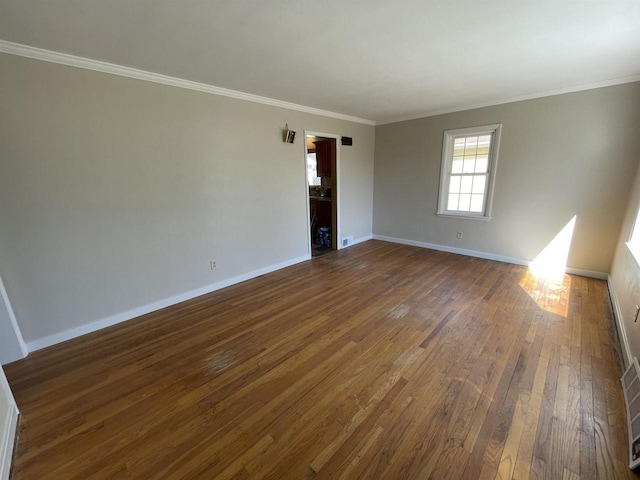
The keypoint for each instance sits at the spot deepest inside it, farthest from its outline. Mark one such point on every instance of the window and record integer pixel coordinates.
(469, 158)
(312, 170)
(634, 240)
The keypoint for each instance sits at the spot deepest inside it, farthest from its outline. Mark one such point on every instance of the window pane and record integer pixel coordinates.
(456, 166)
(458, 146)
(454, 184)
(465, 184)
(484, 141)
(476, 203)
(465, 202)
(470, 146)
(478, 183)
(453, 201)
(312, 170)
(634, 241)
(482, 163)
(469, 165)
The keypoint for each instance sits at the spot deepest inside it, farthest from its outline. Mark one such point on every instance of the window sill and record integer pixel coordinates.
(465, 217)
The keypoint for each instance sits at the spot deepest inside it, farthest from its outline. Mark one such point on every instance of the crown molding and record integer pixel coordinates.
(549, 93)
(105, 67)
(113, 69)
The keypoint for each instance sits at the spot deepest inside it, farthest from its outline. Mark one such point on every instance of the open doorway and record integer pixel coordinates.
(321, 157)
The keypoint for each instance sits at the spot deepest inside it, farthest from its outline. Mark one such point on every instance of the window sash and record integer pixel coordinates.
(469, 195)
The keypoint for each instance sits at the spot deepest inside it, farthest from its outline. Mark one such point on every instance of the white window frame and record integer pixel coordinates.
(446, 165)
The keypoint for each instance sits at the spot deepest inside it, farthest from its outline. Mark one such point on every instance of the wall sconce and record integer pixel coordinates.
(288, 135)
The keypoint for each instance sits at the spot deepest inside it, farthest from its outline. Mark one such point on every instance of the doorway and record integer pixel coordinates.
(321, 160)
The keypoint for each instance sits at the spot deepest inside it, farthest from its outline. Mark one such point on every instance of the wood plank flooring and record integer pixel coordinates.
(379, 361)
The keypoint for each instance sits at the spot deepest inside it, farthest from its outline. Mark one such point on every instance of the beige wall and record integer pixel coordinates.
(116, 193)
(560, 156)
(625, 278)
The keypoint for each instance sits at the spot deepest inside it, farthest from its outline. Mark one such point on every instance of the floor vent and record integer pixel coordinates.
(631, 386)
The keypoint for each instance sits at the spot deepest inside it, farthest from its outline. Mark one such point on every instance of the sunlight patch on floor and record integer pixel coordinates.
(550, 295)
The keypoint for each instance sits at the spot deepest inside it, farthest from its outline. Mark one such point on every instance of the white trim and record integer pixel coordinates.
(361, 239)
(7, 438)
(12, 319)
(448, 139)
(617, 315)
(8, 442)
(335, 195)
(468, 217)
(486, 255)
(306, 194)
(587, 273)
(152, 307)
(520, 98)
(105, 67)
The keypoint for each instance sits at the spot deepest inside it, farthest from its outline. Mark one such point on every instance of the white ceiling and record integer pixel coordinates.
(373, 59)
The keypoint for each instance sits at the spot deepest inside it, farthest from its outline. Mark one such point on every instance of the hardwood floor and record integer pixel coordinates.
(379, 361)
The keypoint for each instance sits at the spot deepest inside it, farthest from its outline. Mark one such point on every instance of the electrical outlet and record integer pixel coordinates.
(459, 235)
(214, 265)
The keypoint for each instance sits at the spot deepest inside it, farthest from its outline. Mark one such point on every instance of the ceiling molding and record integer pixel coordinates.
(550, 93)
(105, 67)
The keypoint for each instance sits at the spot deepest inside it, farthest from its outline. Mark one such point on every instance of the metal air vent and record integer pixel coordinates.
(631, 386)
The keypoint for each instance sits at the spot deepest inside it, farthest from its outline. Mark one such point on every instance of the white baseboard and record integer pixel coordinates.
(152, 307)
(362, 239)
(143, 310)
(617, 314)
(6, 449)
(8, 436)
(486, 256)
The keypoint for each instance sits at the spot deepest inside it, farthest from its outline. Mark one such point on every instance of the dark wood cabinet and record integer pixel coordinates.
(325, 151)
